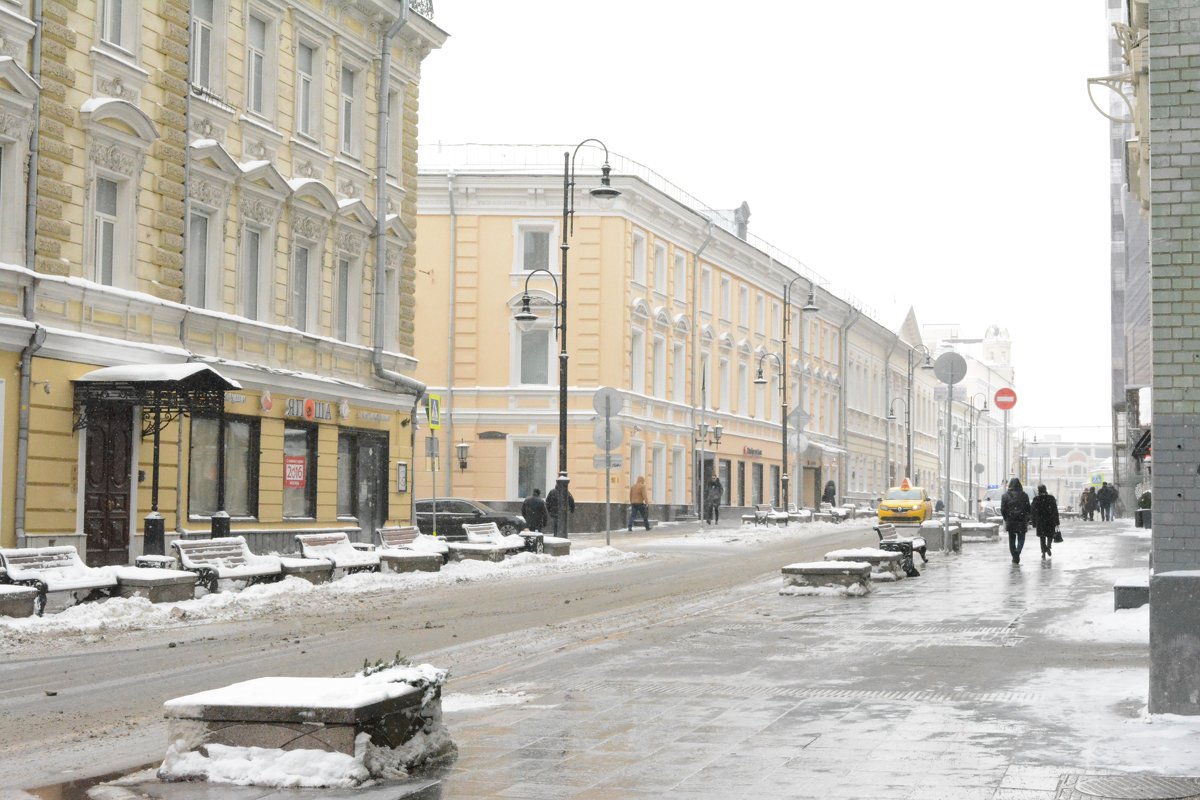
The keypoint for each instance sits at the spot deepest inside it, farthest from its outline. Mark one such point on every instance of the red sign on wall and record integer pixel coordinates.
(294, 469)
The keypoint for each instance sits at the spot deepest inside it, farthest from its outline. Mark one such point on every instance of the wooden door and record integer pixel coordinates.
(107, 484)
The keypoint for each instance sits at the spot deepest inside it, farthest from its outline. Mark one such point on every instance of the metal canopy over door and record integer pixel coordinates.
(107, 484)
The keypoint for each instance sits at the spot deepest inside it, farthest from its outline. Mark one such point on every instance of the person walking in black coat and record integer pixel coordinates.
(713, 494)
(534, 511)
(552, 508)
(1108, 498)
(1043, 513)
(1014, 507)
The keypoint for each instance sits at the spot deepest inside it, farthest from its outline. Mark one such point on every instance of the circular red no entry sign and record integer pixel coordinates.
(1005, 398)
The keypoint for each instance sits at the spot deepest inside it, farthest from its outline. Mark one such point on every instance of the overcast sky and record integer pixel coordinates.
(942, 155)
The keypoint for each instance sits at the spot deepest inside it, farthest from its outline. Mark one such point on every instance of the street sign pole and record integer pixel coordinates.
(607, 471)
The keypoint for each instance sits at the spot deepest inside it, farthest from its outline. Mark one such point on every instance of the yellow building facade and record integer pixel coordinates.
(668, 303)
(206, 270)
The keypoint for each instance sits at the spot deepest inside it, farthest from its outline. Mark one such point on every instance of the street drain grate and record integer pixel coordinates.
(1136, 787)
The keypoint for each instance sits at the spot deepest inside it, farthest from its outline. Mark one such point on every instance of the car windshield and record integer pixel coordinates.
(903, 494)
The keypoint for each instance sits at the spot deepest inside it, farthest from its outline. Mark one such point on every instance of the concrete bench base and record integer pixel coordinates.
(460, 551)
(1131, 595)
(854, 576)
(17, 601)
(409, 561)
(556, 546)
(980, 532)
(313, 570)
(885, 564)
(156, 584)
(935, 536)
(230, 716)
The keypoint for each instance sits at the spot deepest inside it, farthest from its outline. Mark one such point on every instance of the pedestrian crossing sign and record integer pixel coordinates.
(433, 411)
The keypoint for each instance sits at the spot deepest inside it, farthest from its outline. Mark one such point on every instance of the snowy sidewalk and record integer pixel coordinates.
(979, 679)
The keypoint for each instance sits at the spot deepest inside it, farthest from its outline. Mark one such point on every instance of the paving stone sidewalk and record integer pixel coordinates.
(979, 679)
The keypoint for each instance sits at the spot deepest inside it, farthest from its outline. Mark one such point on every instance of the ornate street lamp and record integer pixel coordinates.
(810, 305)
(760, 380)
(926, 363)
(604, 194)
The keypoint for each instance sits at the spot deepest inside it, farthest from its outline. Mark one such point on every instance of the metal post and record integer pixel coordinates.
(153, 528)
(908, 449)
(607, 468)
(946, 501)
(564, 480)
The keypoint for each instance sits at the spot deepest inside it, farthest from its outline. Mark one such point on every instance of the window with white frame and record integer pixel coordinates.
(744, 307)
(253, 274)
(678, 477)
(203, 21)
(743, 382)
(723, 366)
(534, 356)
(302, 269)
(347, 283)
(637, 363)
(678, 373)
(660, 367)
(350, 88)
(637, 460)
(759, 408)
(308, 89)
(639, 259)
(706, 290)
(773, 388)
(533, 246)
(117, 22)
(395, 130)
(391, 303)
(257, 84)
(726, 297)
(760, 314)
(681, 277)
(105, 246)
(530, 467)
(776, 322)
(198, 266)
(706, 381)
(660, 268)
(658, 474)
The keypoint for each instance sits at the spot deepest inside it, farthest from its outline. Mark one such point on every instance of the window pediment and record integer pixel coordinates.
(120, 117)
(314, 193)
(640, 309)
(682, 324)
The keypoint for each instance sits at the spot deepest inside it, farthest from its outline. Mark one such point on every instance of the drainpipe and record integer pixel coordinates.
(450, 329)
(403, 383)
(854, 316)
(698, 477)
(28, 305)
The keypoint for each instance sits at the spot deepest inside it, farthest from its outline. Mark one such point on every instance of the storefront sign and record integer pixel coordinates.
(751, 451)
(309, 409)
(294, 468)
(231, 398)
(374, 416)
(493, 435)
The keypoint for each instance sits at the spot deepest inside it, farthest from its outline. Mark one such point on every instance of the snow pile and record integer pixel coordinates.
(138, 613)
(188, 758)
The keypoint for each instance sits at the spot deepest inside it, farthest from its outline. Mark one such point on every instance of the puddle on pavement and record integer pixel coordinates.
(78, 789)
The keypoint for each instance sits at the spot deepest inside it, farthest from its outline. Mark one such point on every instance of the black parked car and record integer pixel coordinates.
(453, 512)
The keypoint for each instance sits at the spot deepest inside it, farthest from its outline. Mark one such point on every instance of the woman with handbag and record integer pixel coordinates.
(1043, 513)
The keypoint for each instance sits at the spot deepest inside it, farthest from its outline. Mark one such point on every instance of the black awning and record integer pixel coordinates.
(1142, 447)
(164, 391)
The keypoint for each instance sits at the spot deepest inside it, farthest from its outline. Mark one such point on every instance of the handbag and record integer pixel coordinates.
(1057, 536)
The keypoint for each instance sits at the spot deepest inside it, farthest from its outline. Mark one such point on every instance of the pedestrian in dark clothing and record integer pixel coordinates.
(1014, 507)
(714, 493)
(552, 508)
(1043, 513)
(830, 493)
(534, 511)
(1083, 504)
(1108, 498)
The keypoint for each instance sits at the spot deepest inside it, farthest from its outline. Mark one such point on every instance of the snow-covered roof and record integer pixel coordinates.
(155, 373)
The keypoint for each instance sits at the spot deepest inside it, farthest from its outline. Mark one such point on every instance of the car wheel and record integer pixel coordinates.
(507, 529)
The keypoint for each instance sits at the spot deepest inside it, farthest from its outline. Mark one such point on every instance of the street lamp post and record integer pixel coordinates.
(603, 194)
(760, 380)
(786, 346)
(974, 431)
(926, 364)
(887, 439)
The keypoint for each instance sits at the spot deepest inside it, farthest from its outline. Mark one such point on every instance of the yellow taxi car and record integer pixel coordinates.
(905, 503)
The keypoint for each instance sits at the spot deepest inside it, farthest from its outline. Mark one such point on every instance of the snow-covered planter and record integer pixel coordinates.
(309, 732)
(851, 578)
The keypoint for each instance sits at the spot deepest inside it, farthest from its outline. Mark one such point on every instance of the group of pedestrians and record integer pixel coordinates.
(1105, 500)
(541, 511)
(1019, 512)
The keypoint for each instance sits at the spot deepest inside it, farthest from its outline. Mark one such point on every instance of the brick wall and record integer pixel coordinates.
(1175, 279)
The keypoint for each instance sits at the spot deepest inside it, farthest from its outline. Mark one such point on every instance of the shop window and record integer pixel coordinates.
(241, 445)
(299, 471)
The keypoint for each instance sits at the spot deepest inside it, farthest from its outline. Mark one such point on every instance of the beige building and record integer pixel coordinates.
(669, 303)
(199, 204)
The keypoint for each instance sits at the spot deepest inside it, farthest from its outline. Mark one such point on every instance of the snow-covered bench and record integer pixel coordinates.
(405, 549)
(885, 564)
(55, 569)
(226, 558)
(890, 539)
(799, 514)
(853, 577)
(487, 535)
(337, 549)
(765, 514)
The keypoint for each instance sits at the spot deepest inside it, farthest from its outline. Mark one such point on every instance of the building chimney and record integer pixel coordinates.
(741, 217)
